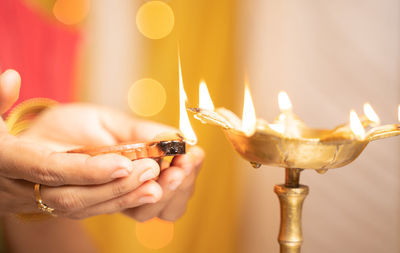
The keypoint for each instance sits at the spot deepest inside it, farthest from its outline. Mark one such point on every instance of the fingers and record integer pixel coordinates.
(191, 160)
(177, 183)
(28, 161)
(169, 181)
(69, 199)
(149, 192)
(10, 83)
(176, 206)
(17, 196)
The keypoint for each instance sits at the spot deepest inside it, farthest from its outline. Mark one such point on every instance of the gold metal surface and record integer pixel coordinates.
(279, 151)
(291, 201)
(318, 149)
(39, 202)
(292, 177)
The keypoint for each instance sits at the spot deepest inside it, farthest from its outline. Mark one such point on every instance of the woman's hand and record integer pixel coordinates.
(24, 162)
(68, 126)
(79, 186)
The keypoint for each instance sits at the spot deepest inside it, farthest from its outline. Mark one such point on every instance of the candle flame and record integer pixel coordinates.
(284, 101)
(370, 113)
(356, 126)
(184, 123)
(249, 119)
(205, 101)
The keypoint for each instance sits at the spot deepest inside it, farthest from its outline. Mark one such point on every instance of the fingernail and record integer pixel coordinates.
(147, 175)
(173, 185)
(120, 173)
(146, 199)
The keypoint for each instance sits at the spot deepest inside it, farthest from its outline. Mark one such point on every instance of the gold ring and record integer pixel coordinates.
(39, 202)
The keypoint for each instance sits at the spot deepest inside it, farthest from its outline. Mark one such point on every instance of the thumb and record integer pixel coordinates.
(10, 82)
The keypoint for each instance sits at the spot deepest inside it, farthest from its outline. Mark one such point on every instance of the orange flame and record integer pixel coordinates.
(184, 123)
(398, 113)
(205, 101)
(356, 126)
(249, 119)
(284, 101)
(370, 113)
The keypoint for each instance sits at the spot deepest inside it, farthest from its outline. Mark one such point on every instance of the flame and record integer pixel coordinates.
(184, 123)
(205, 101)
(280, 128)
(370, 113)
(398, 113)
(284, 101)
(356, 126)
(249, 119)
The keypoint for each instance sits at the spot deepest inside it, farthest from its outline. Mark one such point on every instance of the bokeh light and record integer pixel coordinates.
(71, 12)
(146, 97)
(155, 233)
(155, 19)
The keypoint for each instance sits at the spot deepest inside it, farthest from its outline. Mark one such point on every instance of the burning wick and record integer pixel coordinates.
(206, 111)
(184, 123)
(356, 126)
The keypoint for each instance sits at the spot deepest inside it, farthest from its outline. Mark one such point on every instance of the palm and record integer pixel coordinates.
(68, 126)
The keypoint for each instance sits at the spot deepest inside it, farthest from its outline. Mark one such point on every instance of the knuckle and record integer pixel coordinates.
(123, 203)
(48, 176)
(119, 189)
(69, 201)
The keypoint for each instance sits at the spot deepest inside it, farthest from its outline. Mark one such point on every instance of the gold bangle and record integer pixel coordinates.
(20, 117)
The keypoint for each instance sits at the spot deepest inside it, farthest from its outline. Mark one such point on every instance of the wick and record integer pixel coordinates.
(194, 109)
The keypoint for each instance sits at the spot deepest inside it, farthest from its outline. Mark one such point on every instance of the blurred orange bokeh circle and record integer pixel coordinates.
(147, 97)
(155, 19)
(71, 12)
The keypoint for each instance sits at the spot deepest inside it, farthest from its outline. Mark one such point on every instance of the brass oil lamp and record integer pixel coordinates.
(289, 143)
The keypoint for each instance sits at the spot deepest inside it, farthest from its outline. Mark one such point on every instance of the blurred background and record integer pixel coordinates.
(330, 56)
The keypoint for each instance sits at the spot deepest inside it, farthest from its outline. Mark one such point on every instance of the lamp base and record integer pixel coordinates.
(291, 201)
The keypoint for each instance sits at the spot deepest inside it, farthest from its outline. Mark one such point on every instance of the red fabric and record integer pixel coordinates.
(42, 51)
